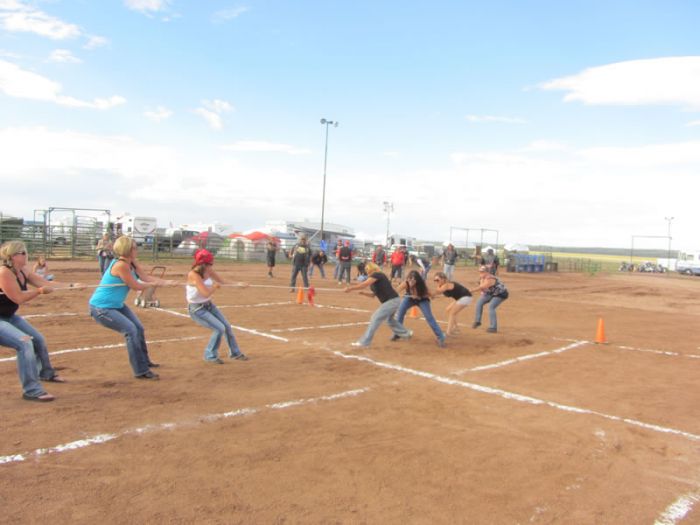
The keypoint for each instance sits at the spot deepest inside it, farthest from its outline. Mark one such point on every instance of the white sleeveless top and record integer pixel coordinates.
(193, 295)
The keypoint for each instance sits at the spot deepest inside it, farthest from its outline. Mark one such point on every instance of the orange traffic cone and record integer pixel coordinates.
(600, 333)
(300, 295)
(312, 292)
(414, 313)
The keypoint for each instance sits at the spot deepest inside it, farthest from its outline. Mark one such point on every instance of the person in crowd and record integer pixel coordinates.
(449, 258)
(202, 282)
(398, 261)
(108, 308)
(33, 363)
(491, 261)
(493, 292)
(461, 295)
(270, 255)
(422, 263)
(380, 287)
(319, 259)
(104, 252)
(362, 271)
(41, 268)
(417, 294)
(345, 258)
(379, 257)
(301, 256)
(336, 270)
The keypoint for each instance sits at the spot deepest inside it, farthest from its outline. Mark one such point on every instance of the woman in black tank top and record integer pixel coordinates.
(15, 331)
(462, 297)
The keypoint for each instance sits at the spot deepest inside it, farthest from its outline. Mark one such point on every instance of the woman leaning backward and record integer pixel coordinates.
(33, 362)
(108, 308)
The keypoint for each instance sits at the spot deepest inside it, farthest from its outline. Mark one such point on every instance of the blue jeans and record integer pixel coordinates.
(209, 316)
(32, 355)
(449, 270)
(345, 269)
(304, 275)
(424, 305)
(124, 321)
(104, 262)
(320, 269)
(424, 273)
(494, 302)
(385, 312)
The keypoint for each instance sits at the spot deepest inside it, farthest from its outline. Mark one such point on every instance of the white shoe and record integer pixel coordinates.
(358, 344)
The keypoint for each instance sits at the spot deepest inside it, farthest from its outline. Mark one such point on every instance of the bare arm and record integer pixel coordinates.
(194, 279)
(10, 287)
(361, 286)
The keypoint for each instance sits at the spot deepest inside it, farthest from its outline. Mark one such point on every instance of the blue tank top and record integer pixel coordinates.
(111, 296)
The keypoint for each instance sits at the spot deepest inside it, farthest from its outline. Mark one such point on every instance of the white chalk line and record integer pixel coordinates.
(64, 314)
(658, 352)
(242, 329)
(208, 418)
(114, 345)
(522, 358)
(518, 397)
(319, 327)
(677, 510)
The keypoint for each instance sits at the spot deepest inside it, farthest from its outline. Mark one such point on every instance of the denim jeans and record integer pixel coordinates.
(345, 270)
(385, 312)
(494, 302)
(320, 269)
(449, 270)
(209, 316)
(424, 305)
(32, 355)
(124, 321)
(304, 276)
(104, 262)
(424, 273)
(336, 271)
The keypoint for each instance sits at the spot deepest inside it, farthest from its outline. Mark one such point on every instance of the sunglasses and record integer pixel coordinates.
(20, 253)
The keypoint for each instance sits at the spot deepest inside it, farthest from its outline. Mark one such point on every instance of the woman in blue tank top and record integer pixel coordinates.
(108, 308)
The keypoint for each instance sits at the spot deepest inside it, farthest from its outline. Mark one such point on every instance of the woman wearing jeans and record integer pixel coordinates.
(417, 294)
(108, 309)
(33, 362)
(202, 282)
(494, 293)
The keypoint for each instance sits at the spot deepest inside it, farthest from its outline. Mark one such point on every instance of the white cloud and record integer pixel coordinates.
(544, 146)
(95, 41)
(147, 6)
(212, 110)
(20, 83)
(229, 14)
(261, 146)
(693, 123)
(669, 81)
(491, 118)
(63, 56)
(158, 114)
(19, 17)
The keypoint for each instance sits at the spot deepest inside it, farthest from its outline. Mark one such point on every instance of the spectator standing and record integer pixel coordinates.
(270, 255)
(104, 252)
(491, 261)
(398, 260)
(319, 258)
(423, 264)
(379, 257)
(301, 257)
(336, 271)
(345, 258)
(449, 258)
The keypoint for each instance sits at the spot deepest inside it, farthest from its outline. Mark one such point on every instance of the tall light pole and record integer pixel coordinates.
(388, 208)
(669, 219)
(325, 162)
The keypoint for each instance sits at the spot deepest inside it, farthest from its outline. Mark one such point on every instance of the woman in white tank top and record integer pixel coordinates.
(202, 282)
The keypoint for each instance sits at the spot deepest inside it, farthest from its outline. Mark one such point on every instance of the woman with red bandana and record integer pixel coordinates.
(202, 282)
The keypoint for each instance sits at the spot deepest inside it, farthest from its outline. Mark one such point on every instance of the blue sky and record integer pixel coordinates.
(561, 123)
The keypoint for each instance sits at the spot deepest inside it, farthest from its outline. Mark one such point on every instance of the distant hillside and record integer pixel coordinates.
(622, 252)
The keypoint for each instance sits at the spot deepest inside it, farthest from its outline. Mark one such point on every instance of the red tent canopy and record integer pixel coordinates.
(253, 236)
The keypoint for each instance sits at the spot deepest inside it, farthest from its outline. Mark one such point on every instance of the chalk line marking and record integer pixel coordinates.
(208, 418)
(658, 352)
(522, 358)
(319, 327)
(242, 329)
(64, 314)
(344, 308)
(517, 397)
(677, 510)
(257, 305)
(114, 345)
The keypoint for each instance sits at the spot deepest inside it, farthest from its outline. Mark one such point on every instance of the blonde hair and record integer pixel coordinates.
(370, 267)
(123, 246)
(10, 248)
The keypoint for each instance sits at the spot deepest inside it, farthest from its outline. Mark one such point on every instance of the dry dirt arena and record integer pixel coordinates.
(534, 424)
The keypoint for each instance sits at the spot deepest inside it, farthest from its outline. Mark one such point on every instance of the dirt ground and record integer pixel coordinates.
(534, 424)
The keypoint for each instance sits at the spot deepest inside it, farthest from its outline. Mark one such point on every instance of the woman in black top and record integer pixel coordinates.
(17, 333)
(462, 297)
(417, 294)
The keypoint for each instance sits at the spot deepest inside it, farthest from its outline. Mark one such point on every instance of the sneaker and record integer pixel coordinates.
(395, 337)
(407, 336)
(357, 344)
(476, 325)
(216, 361)
(153, 365)
(239, 356)
(148, 375)
(491, 330)
(441, 343)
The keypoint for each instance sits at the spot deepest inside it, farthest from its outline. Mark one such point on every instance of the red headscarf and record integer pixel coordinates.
(203, 257)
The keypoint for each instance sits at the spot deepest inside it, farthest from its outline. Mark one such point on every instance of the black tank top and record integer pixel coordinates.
(7, 306)
(457, 292)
